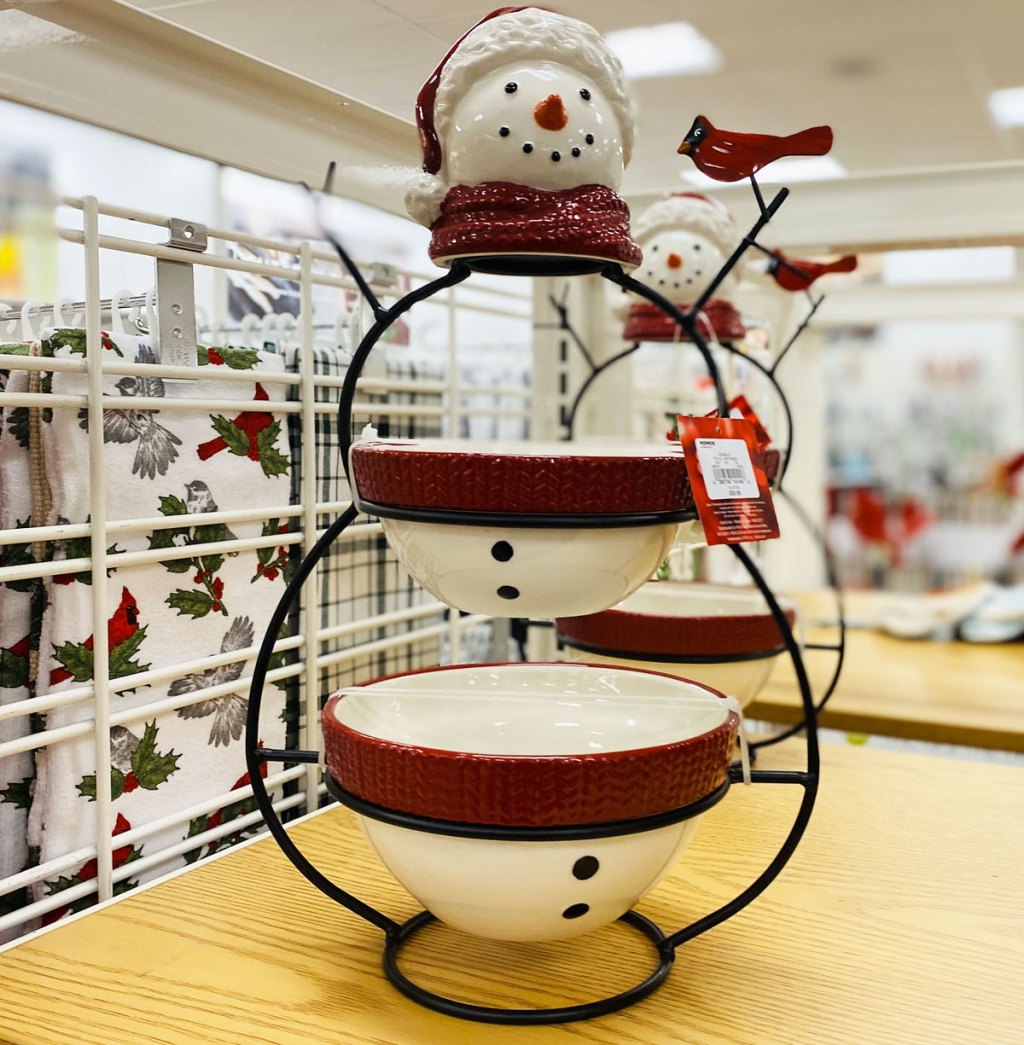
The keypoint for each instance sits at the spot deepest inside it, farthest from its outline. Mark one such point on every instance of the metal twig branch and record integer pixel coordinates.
(353, 269)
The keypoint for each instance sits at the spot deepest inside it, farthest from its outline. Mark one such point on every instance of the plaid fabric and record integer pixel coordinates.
(360, 577)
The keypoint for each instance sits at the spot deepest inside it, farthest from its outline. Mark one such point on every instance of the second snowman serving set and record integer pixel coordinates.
(531, 801)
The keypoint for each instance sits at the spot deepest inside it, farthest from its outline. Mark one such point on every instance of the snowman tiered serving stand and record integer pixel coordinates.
(526, 801)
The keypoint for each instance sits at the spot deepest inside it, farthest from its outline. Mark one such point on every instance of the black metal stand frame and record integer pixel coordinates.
(395, 934)
(691, 321)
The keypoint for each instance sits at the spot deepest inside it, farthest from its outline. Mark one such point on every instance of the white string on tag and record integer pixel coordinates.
(734, 705)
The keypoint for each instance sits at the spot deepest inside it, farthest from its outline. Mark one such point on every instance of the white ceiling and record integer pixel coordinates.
(903, 82)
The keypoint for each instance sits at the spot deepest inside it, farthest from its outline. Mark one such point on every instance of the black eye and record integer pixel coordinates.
(589, 139)
(697, 131)
(585, 94)
(654, 248)
(696, 246)
(511, 87)
(504, 132)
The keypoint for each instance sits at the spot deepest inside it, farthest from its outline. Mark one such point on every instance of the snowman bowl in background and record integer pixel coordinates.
(718, 635)
(529, 801)
(524, 529)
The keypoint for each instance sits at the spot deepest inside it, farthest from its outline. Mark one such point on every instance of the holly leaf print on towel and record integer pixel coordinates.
(74, 338)
(18, 793)
(134, 762)
(124, 854)
(228, 710)
(210, 821)
(18, 555)
(124, 637)
(77, 548)
(251, 434)
(271, 562)
(14, 665)
(209, 598)
(156, 444)
(233, 358)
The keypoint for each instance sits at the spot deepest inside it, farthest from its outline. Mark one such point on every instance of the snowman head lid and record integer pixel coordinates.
(686, 238)
(526, 117)
(691, 212)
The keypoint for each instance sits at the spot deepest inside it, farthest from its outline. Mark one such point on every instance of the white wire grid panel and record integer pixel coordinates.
(361, 616)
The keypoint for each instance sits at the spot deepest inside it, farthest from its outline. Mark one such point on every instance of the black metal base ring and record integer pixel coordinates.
(520, 1017)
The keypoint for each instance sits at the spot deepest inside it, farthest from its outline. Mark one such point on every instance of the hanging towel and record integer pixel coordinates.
(19, 605)
(180, 463)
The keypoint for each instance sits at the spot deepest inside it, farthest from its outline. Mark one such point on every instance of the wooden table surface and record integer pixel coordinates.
(900, 921)
(946, 692)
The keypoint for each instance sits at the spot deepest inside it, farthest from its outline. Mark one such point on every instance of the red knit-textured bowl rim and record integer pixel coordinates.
(528, 790)
(520, 483)
(618, 631)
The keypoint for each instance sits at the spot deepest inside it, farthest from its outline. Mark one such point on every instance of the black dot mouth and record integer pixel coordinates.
(508, 591)
(577, 910)
(556, 156)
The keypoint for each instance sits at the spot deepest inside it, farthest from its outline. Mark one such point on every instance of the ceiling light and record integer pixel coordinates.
(669, 49)
(1007, 106)
(789, 169)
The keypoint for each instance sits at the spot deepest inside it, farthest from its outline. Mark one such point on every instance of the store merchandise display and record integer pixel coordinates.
(517, 80)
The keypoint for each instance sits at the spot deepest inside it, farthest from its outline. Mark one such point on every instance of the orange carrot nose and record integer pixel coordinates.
(675, 261)
(550, 113)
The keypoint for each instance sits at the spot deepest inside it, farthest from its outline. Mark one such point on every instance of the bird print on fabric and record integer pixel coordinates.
(199, 500)
(228, 711)
(156, 444)
(731, 156)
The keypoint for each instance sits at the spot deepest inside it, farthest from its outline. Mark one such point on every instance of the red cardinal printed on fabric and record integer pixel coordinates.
(731, 156)
(250, 423)
(781, 268)
(124, 636)
(89, 870)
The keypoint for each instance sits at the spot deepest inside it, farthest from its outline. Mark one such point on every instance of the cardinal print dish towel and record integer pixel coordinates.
(179, 463)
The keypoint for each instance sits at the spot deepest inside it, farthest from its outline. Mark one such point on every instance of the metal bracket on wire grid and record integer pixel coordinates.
(176, 296)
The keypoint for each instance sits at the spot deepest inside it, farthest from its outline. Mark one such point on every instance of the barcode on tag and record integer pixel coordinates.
(727, 469)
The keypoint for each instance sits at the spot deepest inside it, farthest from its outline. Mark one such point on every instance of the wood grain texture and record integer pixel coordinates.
(900, 921)
(946, 692)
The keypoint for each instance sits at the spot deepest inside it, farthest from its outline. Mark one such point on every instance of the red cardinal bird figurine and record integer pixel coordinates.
(809, 271)
(731, 156)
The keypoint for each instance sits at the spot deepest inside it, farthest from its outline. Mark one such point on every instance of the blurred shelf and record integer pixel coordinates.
(944, 692)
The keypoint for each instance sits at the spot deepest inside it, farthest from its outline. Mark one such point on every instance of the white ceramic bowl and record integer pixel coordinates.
(524, 529)
(719, 635)
(541, 748)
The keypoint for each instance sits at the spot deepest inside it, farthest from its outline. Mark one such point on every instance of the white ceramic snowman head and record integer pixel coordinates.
(686, 238)
(527, 98)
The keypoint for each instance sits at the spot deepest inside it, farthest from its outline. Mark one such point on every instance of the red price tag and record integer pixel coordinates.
(729, 490)
(740, 407)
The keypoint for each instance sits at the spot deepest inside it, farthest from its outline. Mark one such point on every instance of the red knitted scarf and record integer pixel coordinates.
(647, 322)
(499, 217)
